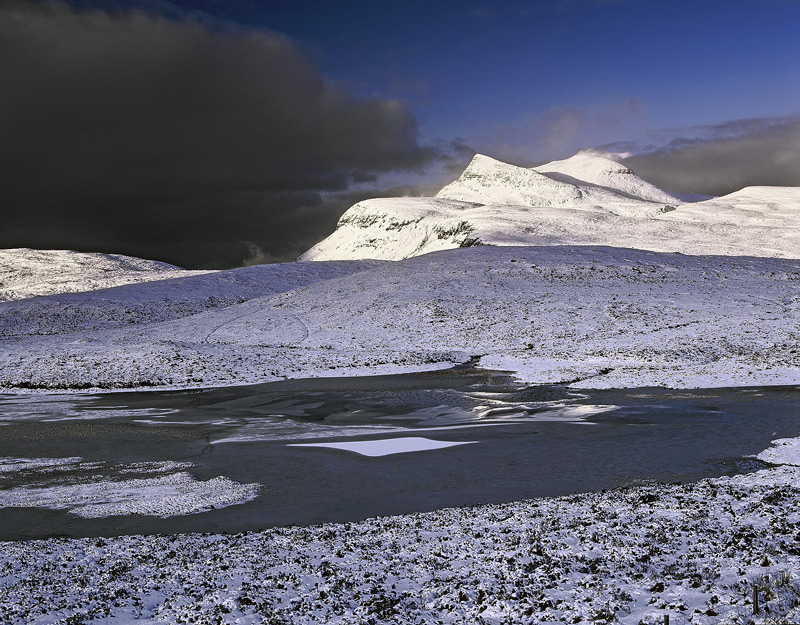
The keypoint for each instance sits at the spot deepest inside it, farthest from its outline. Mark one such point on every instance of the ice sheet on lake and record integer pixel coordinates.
(387, 446)
(93, 495)
(76, 463)
(163, 496)
(10, 465)
(783, 451)
(575, 413)
(49, 407)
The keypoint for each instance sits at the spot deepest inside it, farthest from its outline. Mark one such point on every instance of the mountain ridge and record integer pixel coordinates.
(495, 203)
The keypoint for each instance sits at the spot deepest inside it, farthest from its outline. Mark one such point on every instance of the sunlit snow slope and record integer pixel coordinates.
(27, 273)
(585, 315)
(162, 299)
(584, 200)
(596, 169)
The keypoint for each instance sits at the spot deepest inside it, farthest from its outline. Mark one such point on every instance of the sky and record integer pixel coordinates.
(212, 133)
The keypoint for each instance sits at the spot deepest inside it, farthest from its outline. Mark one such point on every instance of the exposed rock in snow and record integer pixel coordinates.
(493, 203)
(397, 228)
(597, 317)
(27, 273)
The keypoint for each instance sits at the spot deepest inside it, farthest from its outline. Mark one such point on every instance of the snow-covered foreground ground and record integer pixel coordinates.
(590, 316)
(630, 555)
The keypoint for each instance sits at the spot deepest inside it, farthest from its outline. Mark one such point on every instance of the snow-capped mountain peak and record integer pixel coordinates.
(588, 199)
(491, 203)
(588, 167)
(489, 181)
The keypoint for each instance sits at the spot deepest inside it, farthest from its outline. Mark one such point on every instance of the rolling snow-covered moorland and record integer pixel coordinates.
(577, 272)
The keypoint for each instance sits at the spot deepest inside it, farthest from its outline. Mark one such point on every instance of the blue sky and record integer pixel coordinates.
(209, 133)
(480, 71)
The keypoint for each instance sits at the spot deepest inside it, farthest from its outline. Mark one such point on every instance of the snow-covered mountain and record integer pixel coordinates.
(583, 301)
(596, 169)
(585, 200)
(26, 272)
(748, 207)
(489, 181)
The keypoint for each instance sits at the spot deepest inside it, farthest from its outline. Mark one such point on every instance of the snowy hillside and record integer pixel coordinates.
(748, 207)
(162, 299)
(493, 203)
(595, 317)
(27, 273)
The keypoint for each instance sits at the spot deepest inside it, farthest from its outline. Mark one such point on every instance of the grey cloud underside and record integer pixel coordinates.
(729, 157)
(134, 132)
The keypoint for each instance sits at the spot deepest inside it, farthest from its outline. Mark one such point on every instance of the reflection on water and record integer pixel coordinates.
(275, 412)
(46, 408)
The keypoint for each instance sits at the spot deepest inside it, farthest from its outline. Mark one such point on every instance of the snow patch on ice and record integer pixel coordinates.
(573, 413)
(387, 446)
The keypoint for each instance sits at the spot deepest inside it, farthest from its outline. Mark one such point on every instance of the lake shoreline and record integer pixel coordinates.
(248, 458)
(633, 554)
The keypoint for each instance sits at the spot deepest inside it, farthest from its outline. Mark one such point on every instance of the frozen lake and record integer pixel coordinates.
(309, 451)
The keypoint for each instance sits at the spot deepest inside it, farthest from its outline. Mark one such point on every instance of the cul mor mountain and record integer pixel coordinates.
(584, 200)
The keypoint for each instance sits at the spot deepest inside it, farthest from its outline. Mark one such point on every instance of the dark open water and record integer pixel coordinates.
(525, 442)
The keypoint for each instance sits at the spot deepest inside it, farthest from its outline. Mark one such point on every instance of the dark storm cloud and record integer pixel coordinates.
(177, 139)
(720, 159)
(326, 217)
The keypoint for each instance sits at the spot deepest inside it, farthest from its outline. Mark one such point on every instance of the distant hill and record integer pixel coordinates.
(27, 273)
